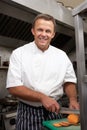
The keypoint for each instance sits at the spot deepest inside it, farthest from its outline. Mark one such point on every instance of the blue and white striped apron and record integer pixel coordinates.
(30, 117)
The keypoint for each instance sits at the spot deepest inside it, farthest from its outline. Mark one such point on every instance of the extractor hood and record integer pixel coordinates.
(16, 18)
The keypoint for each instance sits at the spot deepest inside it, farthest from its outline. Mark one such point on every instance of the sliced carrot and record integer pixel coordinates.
(59, 124)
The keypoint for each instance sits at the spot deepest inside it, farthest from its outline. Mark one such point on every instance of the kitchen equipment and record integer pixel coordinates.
(10, 120)
(8, 111)
(69, 7)
(3, 90)
(0, 60)
(5, 63)
(66, 110)
(49, 125)
(60, 3)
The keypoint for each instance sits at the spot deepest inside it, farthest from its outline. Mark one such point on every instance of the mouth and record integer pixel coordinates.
(43, 39)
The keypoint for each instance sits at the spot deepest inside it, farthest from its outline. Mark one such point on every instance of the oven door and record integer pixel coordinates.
(10, 121)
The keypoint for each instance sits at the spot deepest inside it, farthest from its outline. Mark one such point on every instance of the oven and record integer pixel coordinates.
(8, 112)
(10, 120)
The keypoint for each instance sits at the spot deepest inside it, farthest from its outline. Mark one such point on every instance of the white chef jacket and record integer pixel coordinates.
(45, 72)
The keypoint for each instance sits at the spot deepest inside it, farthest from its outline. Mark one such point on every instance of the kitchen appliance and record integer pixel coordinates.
(19, 15)
(9, 120)
(8, 108)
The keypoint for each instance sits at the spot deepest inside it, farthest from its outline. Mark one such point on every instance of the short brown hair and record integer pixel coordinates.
(45, 17)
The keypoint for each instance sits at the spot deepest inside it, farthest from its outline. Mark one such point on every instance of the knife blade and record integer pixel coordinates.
(65, 110)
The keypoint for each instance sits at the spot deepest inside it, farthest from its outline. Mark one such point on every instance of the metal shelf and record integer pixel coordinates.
(3, 67)
(85, 78)
(81, 9)
(80, 16)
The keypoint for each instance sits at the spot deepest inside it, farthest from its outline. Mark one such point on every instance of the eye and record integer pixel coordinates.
(48, 31)
(39, 30)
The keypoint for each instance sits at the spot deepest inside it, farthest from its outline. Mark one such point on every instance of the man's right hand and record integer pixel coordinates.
(50, 104)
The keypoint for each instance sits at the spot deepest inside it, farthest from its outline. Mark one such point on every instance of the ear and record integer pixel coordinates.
(53, 35)
(32, 30)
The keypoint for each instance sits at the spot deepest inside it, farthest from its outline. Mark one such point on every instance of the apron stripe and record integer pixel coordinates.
(30, 117)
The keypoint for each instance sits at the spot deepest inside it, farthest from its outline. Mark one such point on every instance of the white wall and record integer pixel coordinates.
(5, 54)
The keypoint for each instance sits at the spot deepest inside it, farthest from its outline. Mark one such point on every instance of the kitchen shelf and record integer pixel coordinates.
(85, 78)
(81, 10)
(3, 67)
(80, 21)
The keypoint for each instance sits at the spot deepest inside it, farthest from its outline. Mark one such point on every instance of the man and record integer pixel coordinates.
(38, 76)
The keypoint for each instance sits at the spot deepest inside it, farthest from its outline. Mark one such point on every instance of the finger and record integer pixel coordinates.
(49, 108)
(57, 109)
(53, 109)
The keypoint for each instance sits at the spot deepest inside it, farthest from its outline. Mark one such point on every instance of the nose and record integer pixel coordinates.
(43, 33)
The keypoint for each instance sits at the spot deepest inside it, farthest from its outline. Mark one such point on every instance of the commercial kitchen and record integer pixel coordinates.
(16, 18)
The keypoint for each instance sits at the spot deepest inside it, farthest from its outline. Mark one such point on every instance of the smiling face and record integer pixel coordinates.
(43, 32)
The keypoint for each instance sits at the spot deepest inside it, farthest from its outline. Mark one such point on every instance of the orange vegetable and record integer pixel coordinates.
(57, 124)
(73, 118)
(63, 123)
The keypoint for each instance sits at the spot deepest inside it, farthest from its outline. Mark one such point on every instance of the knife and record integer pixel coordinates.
(65, 110)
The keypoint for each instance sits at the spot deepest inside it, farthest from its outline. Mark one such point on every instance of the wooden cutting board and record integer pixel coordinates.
(49, 124)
